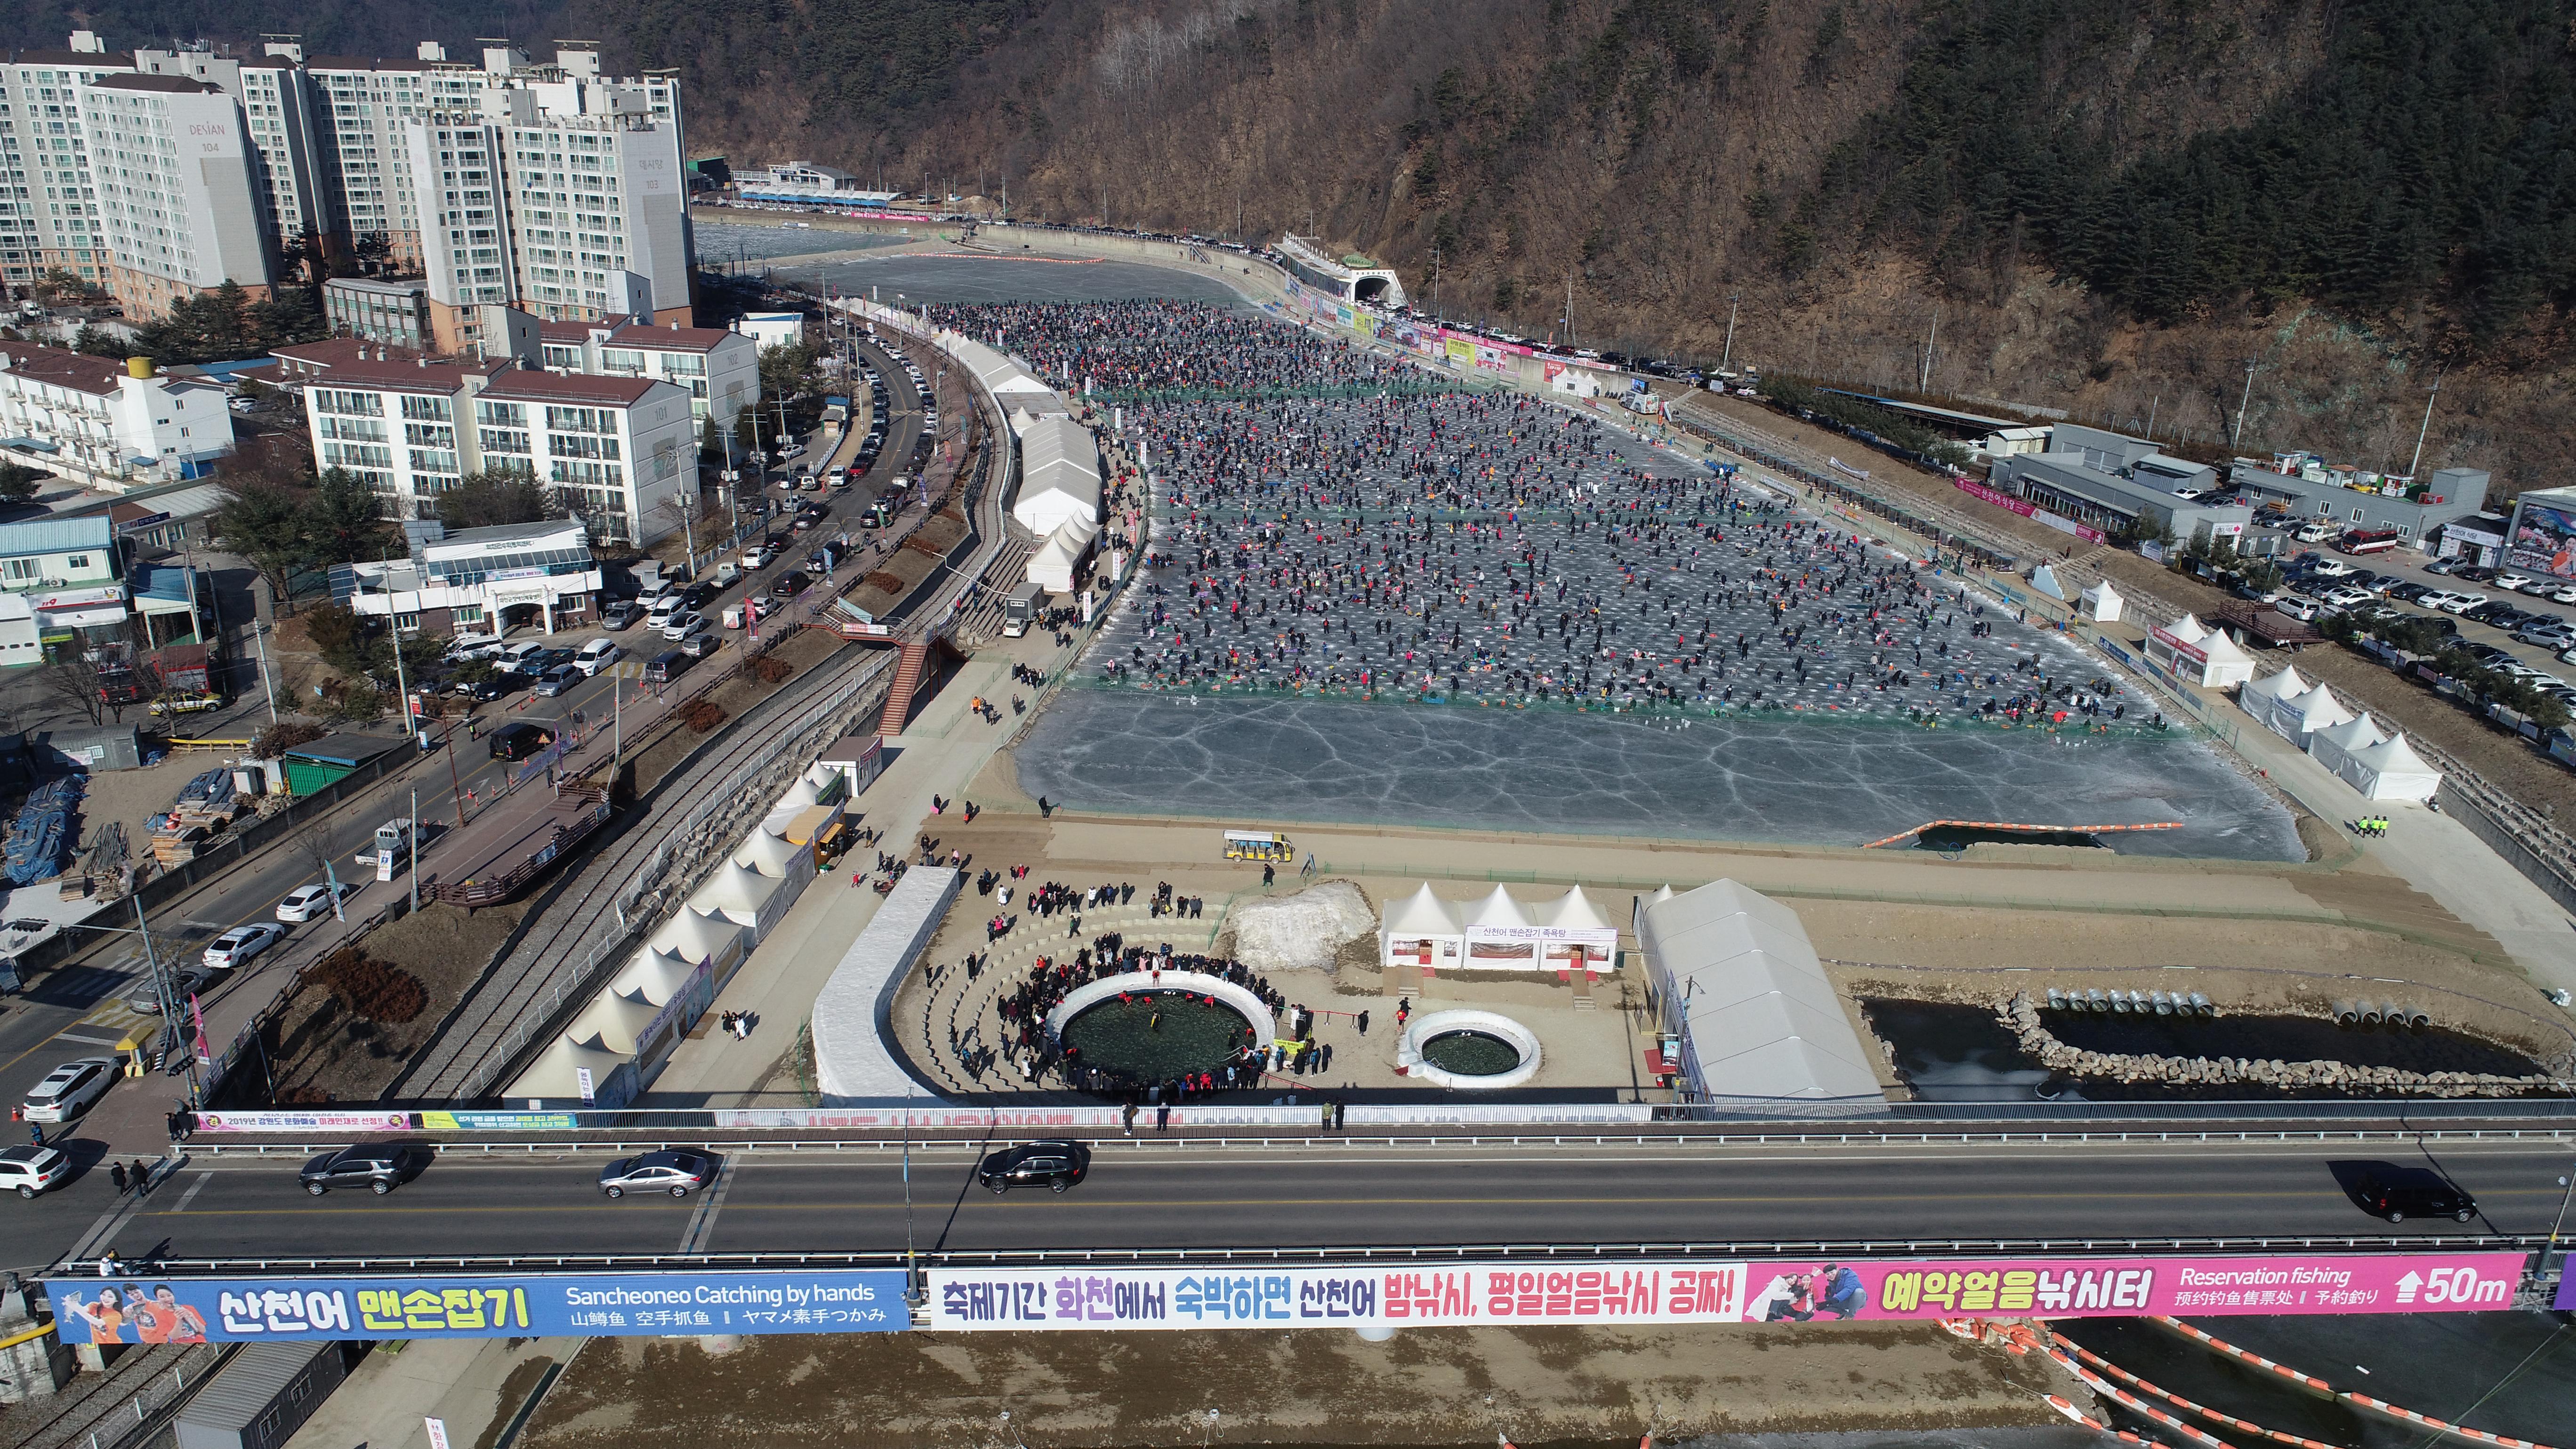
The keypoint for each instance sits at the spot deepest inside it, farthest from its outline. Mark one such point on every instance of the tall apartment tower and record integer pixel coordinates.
(178, 184)
(51, 218)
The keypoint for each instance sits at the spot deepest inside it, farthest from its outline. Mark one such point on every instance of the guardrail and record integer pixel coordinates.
(499, 888)
(1345, 1253)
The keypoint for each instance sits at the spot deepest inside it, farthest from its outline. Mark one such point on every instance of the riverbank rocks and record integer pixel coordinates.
(2021, 1018)
(1303, 931)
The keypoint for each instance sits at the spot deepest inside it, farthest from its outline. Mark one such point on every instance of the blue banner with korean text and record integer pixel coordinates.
(148, 1309)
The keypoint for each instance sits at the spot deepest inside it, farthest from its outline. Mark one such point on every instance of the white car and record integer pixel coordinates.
(2332, 569)
(2302, 609)
(683, 624)
(2344, 598)
(597, 655)
(71, 1089)
(2513, 583)
(305, 903)
(27, 1169)
(518, 655)
(241, 943)
(2455, 603)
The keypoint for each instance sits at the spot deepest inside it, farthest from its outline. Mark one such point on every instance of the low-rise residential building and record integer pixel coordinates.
(2356, 498)
(2115, 483)
(720, 369)
(613, 450)
(480, 580)
(805, 184)
(107, 425)
(65, 573)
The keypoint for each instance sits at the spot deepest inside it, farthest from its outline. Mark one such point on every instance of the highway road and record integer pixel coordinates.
(1343, 1192)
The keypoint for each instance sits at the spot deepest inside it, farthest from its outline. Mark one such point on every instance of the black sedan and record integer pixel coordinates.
(2397, 1193)
(675, 1171)
(1054, 1163)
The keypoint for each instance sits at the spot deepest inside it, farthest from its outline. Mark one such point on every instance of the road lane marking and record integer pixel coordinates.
(694, 1238)
(194, 1188)
(88, 1040)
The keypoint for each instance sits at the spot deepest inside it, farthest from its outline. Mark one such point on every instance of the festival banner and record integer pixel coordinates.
(1444, 1295)
(155, 1309)
(288, 1121)
(2288, 1283)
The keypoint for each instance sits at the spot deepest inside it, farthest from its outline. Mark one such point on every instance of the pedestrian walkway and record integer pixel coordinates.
(941, 752)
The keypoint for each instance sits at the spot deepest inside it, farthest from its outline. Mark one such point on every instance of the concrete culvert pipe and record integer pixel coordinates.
(2095, 1000)
(2347, 1014)
(2120, 1002)
(2418, 1018)
(2201, 1004)
(2371, 1015)
(2056, 999)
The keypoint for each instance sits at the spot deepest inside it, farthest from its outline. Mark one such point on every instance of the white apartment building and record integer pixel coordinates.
(613, 450)
(380, 156)
(184, 207)
(720, 369)
(107, 425)
(50, 214)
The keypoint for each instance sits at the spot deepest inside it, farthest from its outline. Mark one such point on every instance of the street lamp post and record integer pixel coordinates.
(163, 991)
(1734, 300)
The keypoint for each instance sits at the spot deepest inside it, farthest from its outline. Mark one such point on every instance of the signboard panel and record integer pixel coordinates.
(2290, 1283)
(1365, 1296)
(2544, 540)
(156, 1309)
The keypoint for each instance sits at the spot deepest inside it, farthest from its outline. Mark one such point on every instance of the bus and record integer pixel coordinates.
(1258, 845)
(2359, 541)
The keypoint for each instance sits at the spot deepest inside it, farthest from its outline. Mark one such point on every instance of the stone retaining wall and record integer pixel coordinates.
(2043, 1046)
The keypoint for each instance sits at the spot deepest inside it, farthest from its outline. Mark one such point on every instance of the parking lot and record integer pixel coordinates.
(2518, 623)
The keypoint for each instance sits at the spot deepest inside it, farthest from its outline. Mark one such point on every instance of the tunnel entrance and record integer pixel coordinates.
(1372, 290)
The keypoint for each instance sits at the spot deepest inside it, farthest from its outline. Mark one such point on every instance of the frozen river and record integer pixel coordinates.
(1811, 782)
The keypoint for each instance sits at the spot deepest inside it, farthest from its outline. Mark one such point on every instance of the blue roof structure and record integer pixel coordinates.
(55, 535)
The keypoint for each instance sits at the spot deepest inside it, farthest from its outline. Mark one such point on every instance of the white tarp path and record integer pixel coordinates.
(854, 1057)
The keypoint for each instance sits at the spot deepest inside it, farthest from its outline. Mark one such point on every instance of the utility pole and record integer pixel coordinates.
(2426, 426)
(415, 848)
(1734, 300)
(259, 640)
(2151, 415)
(1435, 283)
(1925, 384)
(2236, 439)
(1569, 309)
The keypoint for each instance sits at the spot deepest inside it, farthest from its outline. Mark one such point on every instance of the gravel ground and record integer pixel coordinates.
(1437, 1386)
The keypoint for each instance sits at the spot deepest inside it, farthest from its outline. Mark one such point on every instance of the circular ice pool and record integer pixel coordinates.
(1467, 1051)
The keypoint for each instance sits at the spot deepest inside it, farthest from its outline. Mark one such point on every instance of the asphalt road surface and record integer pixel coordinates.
(1159, 1195)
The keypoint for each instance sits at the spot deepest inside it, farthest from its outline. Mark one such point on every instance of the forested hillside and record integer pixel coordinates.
(2111, 205)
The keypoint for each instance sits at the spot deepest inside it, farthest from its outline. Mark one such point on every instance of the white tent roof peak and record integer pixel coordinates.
(1574, 911)
(1498, 909)
(2393, 756)
(2357, 733)
(1423, 914)
(2285, 685)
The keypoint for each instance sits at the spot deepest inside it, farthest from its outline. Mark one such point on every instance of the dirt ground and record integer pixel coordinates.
(1431, 1386)
(312, 1044)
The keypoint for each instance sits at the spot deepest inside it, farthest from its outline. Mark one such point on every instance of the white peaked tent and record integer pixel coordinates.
(617, 1022)
(1574, 911)
(1499, 935)
(2391, 770)
(657, 976)
(1761, 1029)
(802, 795)
(767, 852)
(740, 895)
(2298, 720)
(2102, 603)
(1055, 562)
(2259, 695)
(1422, 930)
(2334, 747)
(556, 1075)
(2202, 655)
(694, 937)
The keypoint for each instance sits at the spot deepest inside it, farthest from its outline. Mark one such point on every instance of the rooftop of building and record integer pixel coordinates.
(102, 58)
(75, 370)
(474, 540)
(332, 353)
(389, 286)
(570, 388)
(52, 535)
(167, 84)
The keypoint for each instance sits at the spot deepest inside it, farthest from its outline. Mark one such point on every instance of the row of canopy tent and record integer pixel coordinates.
(2376, 762)
(1497, 933)
(1060, 475)
(631, 1025)
(2198, 653)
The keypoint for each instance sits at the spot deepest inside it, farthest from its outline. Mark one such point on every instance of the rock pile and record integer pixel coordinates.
(2043, 1046)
